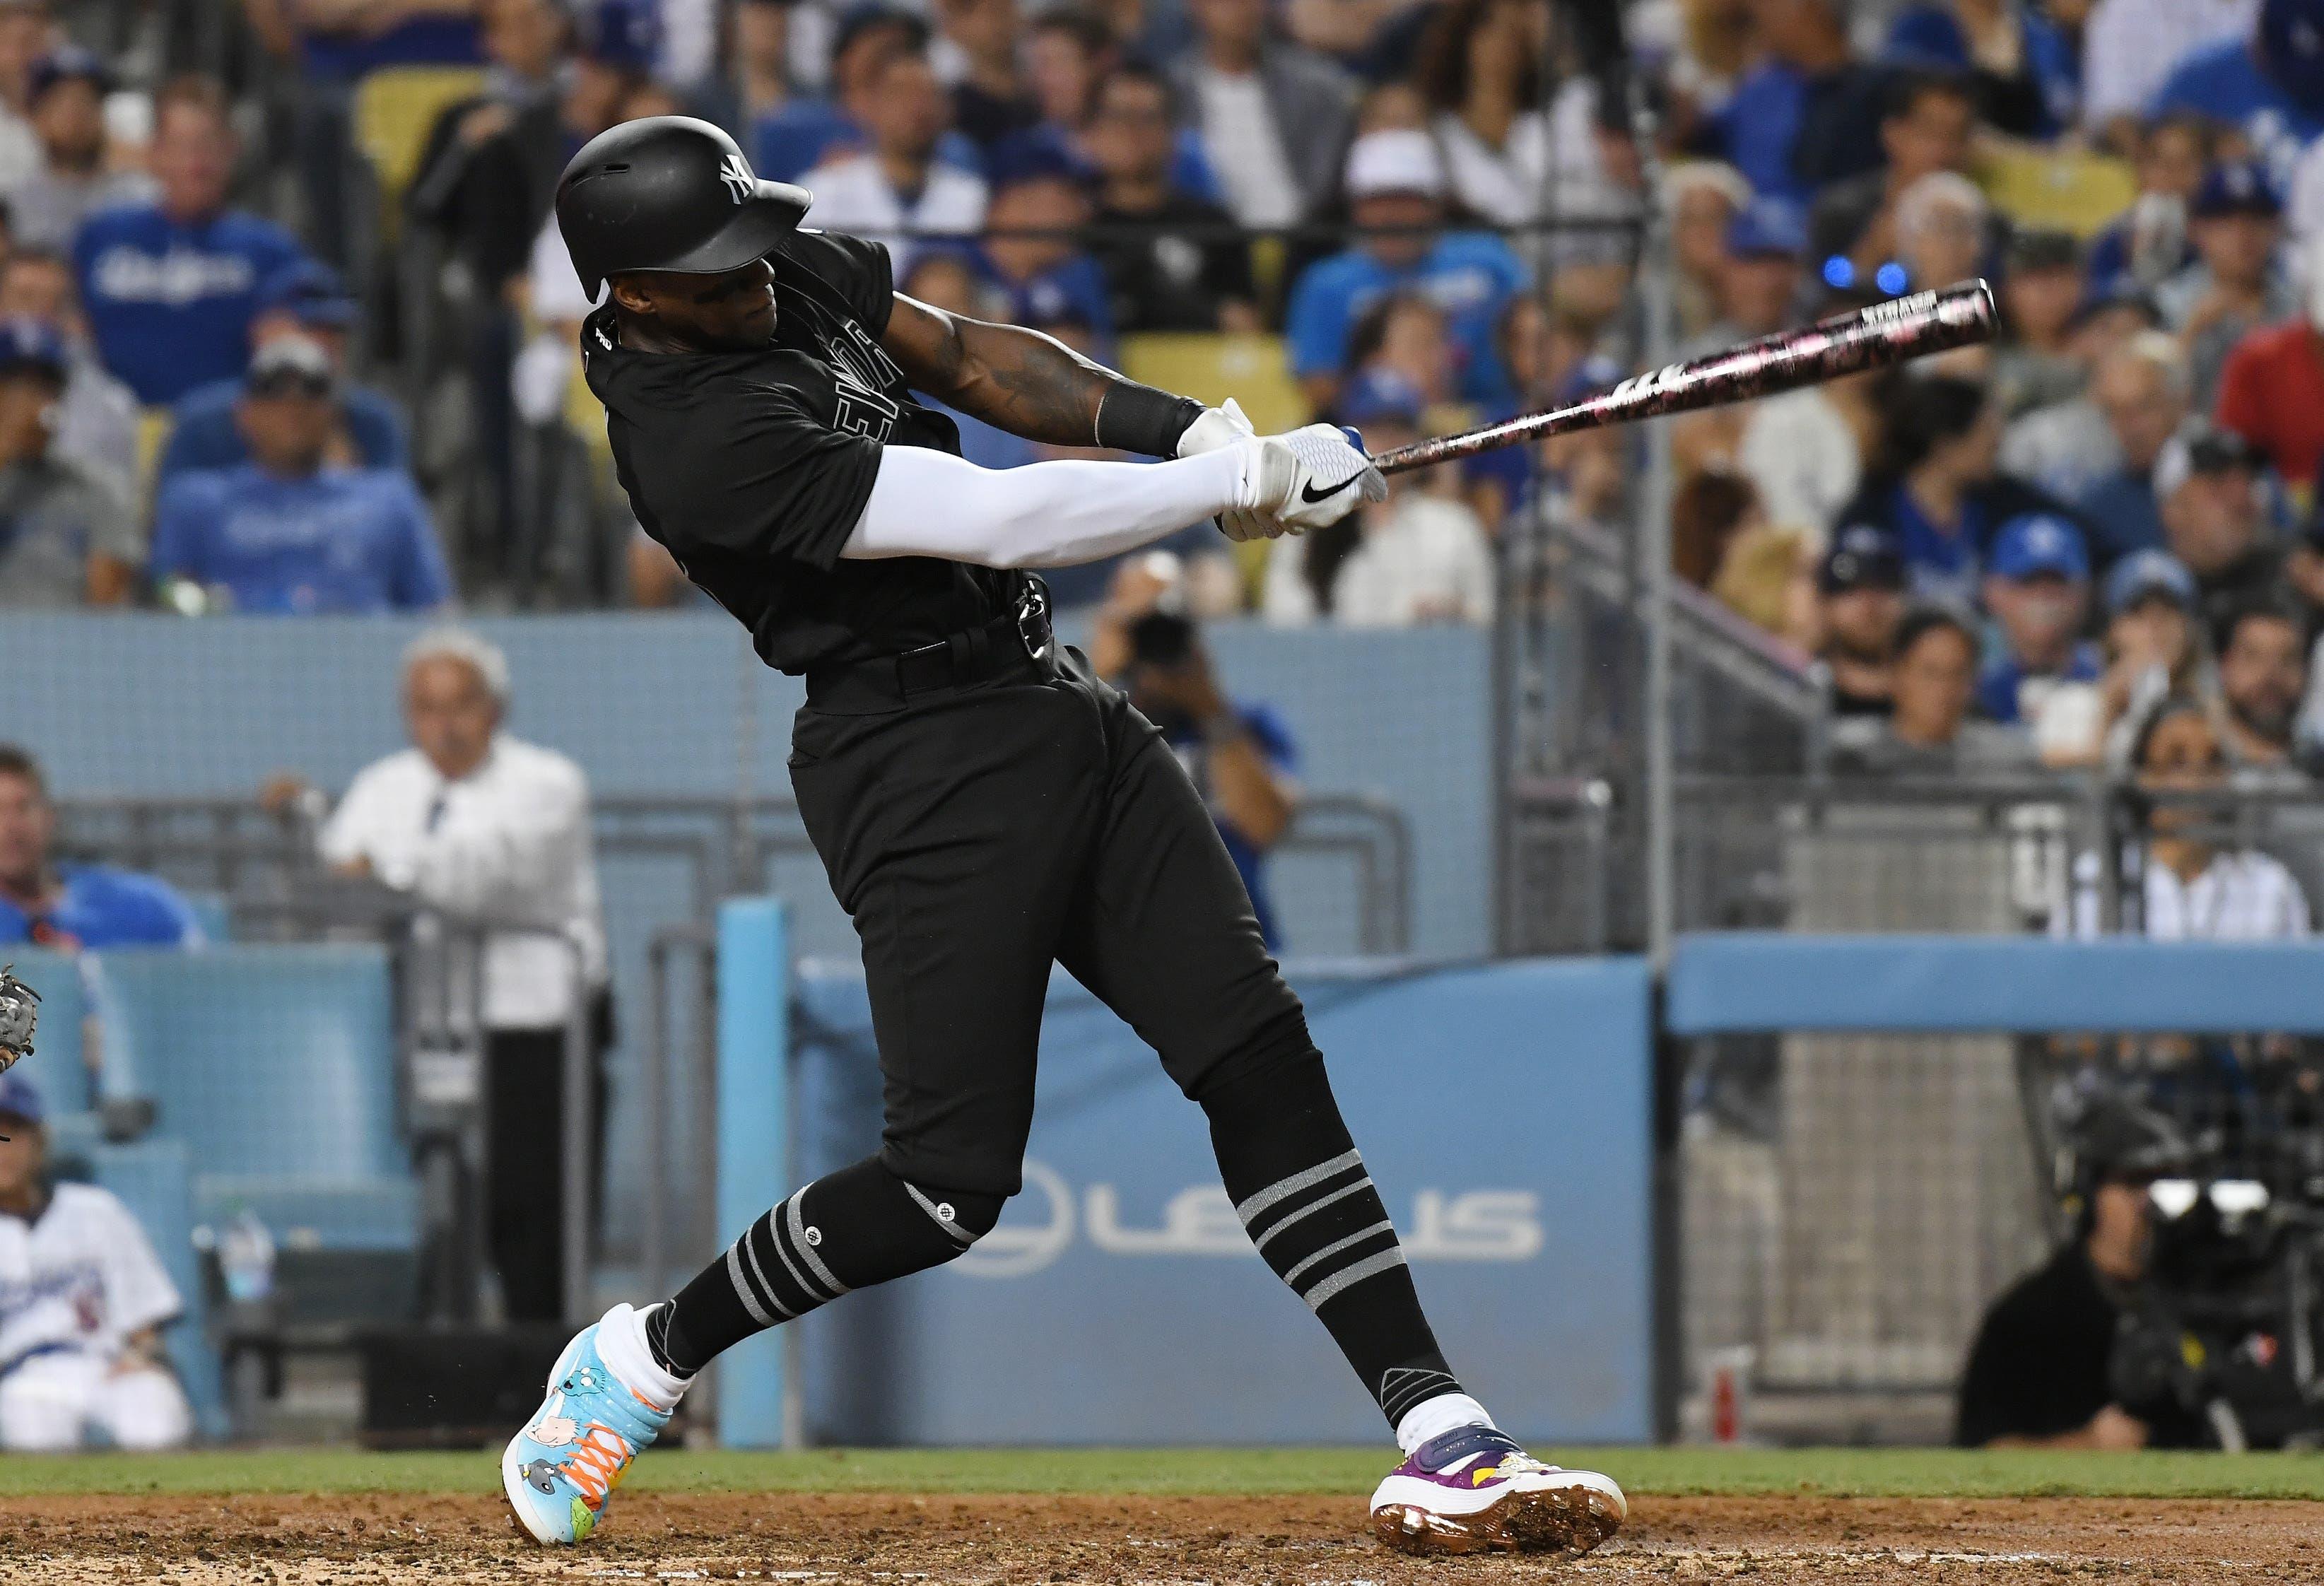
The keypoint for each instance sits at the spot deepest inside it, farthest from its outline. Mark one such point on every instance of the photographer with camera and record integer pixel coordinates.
(1239, 754)
(2041, 1374)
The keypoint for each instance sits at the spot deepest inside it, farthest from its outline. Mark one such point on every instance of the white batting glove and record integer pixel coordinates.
(1313, 477)
(1218, 428)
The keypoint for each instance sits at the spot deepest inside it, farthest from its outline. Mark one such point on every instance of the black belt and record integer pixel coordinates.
(1018, 642)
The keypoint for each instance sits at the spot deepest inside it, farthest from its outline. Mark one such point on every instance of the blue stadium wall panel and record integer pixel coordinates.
(1769, 981)
(1503, 1110)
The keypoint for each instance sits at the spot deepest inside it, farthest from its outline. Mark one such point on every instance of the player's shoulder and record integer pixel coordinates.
(112, 888)
(856, 269)
(75, 1208)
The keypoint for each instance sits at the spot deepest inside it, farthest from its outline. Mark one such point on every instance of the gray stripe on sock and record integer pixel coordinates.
(782, 1251)
(1335, 1247)
(743, 1284)
(936, 1217)
(774, 1302)
(807, 1251)
(1369, 1267)
(1283, 1188)
(1309, 1209)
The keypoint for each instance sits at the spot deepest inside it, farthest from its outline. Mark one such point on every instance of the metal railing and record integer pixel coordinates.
(1852, 853)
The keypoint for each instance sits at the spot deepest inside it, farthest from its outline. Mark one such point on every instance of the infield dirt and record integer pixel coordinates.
(819, 1538)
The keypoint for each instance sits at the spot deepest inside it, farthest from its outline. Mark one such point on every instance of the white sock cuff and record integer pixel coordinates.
(1434, 1418)
(621, 1345)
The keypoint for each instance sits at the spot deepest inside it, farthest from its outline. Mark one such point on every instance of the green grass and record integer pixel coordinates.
(1825, 1472)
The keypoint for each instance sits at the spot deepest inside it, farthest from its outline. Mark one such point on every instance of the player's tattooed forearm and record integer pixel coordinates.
(1019, 380)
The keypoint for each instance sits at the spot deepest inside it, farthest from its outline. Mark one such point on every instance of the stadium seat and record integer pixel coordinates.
(2069, 190)
(394, 110)
(1211, 368)
(275, 1067)
(58, 1065)
(213, 913)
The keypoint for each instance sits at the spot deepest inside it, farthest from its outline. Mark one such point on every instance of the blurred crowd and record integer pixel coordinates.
(295, 333)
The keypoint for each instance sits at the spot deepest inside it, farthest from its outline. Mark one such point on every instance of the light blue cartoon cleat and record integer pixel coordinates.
(561, 1471)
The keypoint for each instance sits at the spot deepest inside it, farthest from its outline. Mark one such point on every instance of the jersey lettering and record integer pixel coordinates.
(859, 411)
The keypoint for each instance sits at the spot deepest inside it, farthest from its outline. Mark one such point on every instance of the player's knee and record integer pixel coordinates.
(145, 1410)
(968, 1215)
(1278, 1063)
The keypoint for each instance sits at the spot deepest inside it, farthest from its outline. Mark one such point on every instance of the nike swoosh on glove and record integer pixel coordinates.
(1218, 428)
(1311, 478)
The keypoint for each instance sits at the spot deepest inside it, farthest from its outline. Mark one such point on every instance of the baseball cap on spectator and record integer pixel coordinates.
(1382, 396)
(289, 365)
(33, 346)
(1031, 159)
(2145, 575)
(1862, 556)
(2036, 543)
(624, 34)
(1397, 160)
(2040, 247)
(2237, 186)
(68, 63)
(20, 1098)
(859, 20)
(2202, 449)
(311, 293)
(1768, 228)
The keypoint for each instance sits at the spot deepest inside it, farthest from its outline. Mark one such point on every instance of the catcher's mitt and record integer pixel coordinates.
(20, 1011)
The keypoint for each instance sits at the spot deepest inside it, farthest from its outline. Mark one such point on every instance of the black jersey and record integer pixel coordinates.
(753, 468)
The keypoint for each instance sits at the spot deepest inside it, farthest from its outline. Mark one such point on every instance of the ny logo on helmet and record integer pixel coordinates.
(737, 177)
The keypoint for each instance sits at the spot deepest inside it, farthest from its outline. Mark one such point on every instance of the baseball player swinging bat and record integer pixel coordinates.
(1892, 332)
(985, 805)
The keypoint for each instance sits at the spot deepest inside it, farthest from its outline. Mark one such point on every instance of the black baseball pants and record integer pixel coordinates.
(977, 834)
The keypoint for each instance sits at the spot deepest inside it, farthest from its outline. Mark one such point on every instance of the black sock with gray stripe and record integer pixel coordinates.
(1307, 1203)
(848, 1229)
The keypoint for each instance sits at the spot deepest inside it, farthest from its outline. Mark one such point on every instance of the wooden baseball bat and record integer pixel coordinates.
(1887, 332)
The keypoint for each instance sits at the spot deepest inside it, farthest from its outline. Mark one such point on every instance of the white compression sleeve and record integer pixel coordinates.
(931, 503)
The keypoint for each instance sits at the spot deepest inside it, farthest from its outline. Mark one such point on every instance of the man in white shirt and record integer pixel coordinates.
(82, 1302)
(483, 826)
(1275, 118)
(898, 185)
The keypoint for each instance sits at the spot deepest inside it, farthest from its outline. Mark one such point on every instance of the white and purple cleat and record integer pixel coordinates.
(1473, 1489)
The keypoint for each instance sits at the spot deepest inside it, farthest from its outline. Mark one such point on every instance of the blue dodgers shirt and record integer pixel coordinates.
(1469, 275)
(171, 304)
(1758, 127)
(203, 433)
(2001, 688)
(342, 541)
(104, 908)
(2225, 83)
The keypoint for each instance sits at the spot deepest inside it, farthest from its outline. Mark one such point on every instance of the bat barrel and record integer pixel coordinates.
(1874, 338)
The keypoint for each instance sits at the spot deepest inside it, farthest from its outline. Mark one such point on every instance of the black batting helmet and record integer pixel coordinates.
(669, 192)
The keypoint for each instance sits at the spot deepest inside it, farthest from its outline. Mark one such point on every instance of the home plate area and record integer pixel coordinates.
(1130, 1541)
